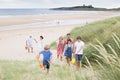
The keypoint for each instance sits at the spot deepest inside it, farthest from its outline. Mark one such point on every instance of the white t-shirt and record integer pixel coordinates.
(41, 45)
(78, 45)
(30, 41)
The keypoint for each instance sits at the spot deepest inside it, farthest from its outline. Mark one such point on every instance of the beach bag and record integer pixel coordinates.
(73, 60)
(40, 65)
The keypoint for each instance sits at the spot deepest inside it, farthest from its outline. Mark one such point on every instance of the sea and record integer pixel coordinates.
(20, 12)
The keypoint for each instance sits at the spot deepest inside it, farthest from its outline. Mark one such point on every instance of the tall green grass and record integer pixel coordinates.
(101, 30)
(18, 70)
(109, 68)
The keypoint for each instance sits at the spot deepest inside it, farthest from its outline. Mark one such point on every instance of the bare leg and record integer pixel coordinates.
(28, 49)
(57, 56)
(68, 61)
(47, 71)
(31, 49)
(44, 67)
(78, 65)
(61, 57)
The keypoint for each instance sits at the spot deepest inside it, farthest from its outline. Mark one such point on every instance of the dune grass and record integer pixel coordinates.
(18, 70)
(101, 30)
(108, 69)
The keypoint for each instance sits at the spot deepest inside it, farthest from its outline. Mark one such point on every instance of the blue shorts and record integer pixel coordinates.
(78, 57)
(46, 64)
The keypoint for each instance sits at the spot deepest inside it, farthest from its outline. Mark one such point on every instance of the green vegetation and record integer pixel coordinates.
(18, 70)
(109, 68)
(100, 30)
(102, 58)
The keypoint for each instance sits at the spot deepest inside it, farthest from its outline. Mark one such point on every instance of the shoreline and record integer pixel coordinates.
(27, 19)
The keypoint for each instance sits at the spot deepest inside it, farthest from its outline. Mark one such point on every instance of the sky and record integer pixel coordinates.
(57, 3)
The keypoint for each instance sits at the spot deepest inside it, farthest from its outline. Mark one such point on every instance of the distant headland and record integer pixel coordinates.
(85, 8)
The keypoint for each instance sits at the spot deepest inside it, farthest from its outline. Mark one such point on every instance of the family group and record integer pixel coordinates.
(65, 47)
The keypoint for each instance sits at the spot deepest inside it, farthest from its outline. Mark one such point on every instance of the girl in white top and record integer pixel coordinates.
(41, 43)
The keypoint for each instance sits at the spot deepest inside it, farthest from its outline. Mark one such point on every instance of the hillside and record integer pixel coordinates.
(100, 30)
(86, 8)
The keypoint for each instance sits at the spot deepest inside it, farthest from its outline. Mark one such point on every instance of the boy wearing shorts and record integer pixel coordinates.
(78, 47)
(47, 55)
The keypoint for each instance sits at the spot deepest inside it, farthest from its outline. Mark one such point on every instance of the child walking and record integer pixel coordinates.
(79, 44)
(60, 44)
(47, 55)
(68, 51)
(41, 43)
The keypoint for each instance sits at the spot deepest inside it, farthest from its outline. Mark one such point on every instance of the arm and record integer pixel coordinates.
(64, 49)
(57, 43)
(51, 58)
(80, 49)
(74, 50)
(35, 40)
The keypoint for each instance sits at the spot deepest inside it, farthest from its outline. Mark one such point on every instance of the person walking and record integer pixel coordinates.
(78, 49)
(47, 56)
(29, 44)
(60, 44)
(68, 50)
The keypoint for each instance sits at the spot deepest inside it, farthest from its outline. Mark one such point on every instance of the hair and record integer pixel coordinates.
(47, 47)
(30, 36)
(61, 38)
(68, 33)
(42, 37)
(69, 40)
(78, 38)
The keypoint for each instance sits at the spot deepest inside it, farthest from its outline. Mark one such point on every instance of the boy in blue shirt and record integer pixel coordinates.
(47, 55)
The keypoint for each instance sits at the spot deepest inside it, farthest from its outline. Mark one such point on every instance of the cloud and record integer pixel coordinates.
(56, 3)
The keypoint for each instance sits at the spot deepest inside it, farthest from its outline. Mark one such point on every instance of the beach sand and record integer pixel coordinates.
(12, 42)
(13, 20)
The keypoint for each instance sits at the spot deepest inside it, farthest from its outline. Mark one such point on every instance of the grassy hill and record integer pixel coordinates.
(100, 30)
(102, 49)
